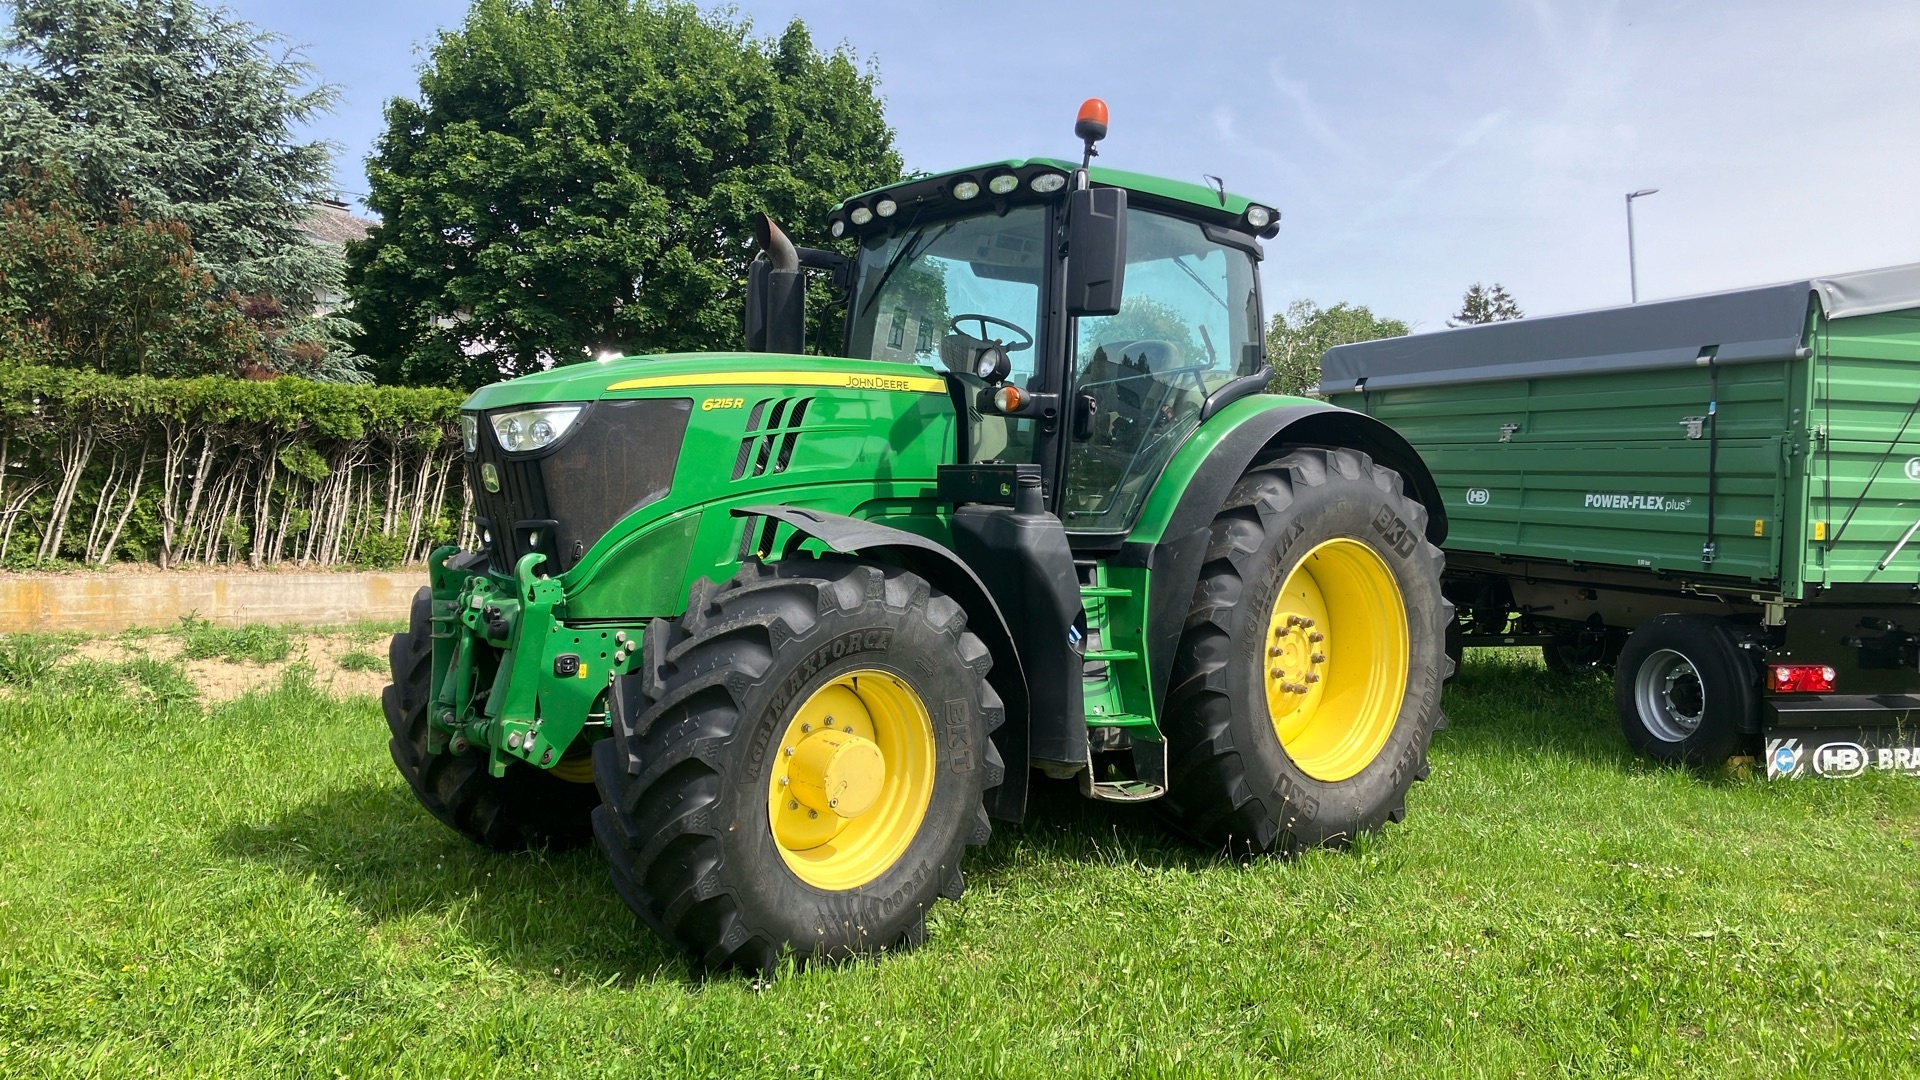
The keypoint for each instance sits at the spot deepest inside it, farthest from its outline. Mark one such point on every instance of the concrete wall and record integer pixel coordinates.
(115, 601)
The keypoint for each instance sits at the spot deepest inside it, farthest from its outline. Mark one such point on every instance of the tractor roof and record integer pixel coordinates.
(936, 189)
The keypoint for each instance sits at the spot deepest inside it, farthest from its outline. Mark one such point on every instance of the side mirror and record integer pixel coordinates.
(1096, 251)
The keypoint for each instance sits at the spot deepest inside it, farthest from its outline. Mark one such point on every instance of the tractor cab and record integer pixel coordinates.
(1089, 318)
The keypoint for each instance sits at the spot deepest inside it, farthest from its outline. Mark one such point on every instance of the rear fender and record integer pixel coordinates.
(943, 570)
(1171, 541)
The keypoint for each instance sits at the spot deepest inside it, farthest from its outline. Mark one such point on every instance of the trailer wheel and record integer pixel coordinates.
(526, 808)
(808, 768)
(1307, 685)
(1583, 653)
(1683, 690)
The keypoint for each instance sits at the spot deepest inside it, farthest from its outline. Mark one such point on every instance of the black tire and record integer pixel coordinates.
(1231, 782)
(1683, 690)
(684, 783)
(1456, 649)
(526, 808)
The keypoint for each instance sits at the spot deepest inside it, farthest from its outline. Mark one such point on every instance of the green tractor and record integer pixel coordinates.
(786, 632)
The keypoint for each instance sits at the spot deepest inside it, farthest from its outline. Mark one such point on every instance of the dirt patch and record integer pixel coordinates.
(334, 658)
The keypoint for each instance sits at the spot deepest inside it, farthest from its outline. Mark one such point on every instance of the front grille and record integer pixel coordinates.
(619, 457)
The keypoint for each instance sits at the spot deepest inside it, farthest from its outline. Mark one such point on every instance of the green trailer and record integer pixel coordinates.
(1717, 496)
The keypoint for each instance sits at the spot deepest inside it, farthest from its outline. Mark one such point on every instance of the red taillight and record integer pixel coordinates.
(1800, 678)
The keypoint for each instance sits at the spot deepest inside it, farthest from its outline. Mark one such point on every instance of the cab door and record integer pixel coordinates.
(1189, 324)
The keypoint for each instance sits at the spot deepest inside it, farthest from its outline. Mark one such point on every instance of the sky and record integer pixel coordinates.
(1412, 148)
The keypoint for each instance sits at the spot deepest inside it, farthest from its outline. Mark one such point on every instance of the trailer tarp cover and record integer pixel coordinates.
(1768, 322)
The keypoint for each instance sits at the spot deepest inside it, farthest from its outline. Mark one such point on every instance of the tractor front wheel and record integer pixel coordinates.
(526, 808)
(1307, 685)
(808, 766)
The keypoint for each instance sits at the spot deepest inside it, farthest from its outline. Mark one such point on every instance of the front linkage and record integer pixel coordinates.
(509, 676)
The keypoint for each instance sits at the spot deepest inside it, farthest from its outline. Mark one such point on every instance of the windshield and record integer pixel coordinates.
(926, 293)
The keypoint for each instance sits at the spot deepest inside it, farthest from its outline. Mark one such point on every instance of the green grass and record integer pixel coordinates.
(202, 640)
(361, 660)
(253, 892)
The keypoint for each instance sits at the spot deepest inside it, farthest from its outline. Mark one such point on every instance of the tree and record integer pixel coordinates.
(578, 176)
(121, 296)
(178, 114)
(1305, 331)
(1482, 305)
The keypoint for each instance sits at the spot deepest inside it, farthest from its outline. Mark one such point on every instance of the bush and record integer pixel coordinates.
(96, 468)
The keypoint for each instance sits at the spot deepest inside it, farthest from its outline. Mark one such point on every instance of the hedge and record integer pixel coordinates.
(98, 469)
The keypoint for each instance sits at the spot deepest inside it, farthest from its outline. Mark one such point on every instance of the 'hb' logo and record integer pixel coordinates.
(1840, 760)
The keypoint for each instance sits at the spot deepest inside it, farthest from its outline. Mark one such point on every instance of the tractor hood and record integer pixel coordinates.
(648, 376)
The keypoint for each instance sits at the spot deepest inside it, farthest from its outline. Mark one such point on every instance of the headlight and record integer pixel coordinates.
(533, 429)
(469, 432)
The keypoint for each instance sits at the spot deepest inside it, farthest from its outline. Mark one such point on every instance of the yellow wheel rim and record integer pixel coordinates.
(576, 765)
(1336, 659)
(852, 778)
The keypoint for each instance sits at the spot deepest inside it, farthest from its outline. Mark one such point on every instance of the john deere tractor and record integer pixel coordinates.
(784, 633)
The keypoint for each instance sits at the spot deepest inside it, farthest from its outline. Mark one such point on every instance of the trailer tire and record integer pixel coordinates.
(1587, 653)
(1235, 779)
(1684, 691)
(526, 808)
(701, 816)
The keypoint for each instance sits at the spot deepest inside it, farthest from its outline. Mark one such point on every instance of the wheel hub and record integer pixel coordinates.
(1669, 695)
(851, 779)
(837, 772)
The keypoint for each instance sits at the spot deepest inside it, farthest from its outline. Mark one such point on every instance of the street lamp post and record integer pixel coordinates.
(1633, 273)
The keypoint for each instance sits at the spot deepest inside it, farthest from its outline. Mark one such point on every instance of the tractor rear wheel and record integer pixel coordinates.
(526, 808)
(808, 765)
(1307, 685)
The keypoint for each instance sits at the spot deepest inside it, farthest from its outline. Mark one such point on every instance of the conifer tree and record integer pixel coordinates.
(1484, 305)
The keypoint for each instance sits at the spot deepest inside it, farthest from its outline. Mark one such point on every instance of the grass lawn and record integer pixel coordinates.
(247, 889)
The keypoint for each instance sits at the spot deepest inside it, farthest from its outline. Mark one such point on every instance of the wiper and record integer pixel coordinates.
(1181, 262)
(907, 250)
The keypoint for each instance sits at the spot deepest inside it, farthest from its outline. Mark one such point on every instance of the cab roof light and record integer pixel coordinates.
(966, 188)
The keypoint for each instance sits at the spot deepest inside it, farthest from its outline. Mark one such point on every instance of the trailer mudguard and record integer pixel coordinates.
(1172, 544)
(945, 571)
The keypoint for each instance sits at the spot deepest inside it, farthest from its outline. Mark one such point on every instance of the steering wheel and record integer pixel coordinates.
(1026, 339)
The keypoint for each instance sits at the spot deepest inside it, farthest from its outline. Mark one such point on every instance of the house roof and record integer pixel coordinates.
(332, 223)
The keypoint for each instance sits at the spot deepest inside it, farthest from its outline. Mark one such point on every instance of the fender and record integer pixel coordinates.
(946, 572)
(1171, 538)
